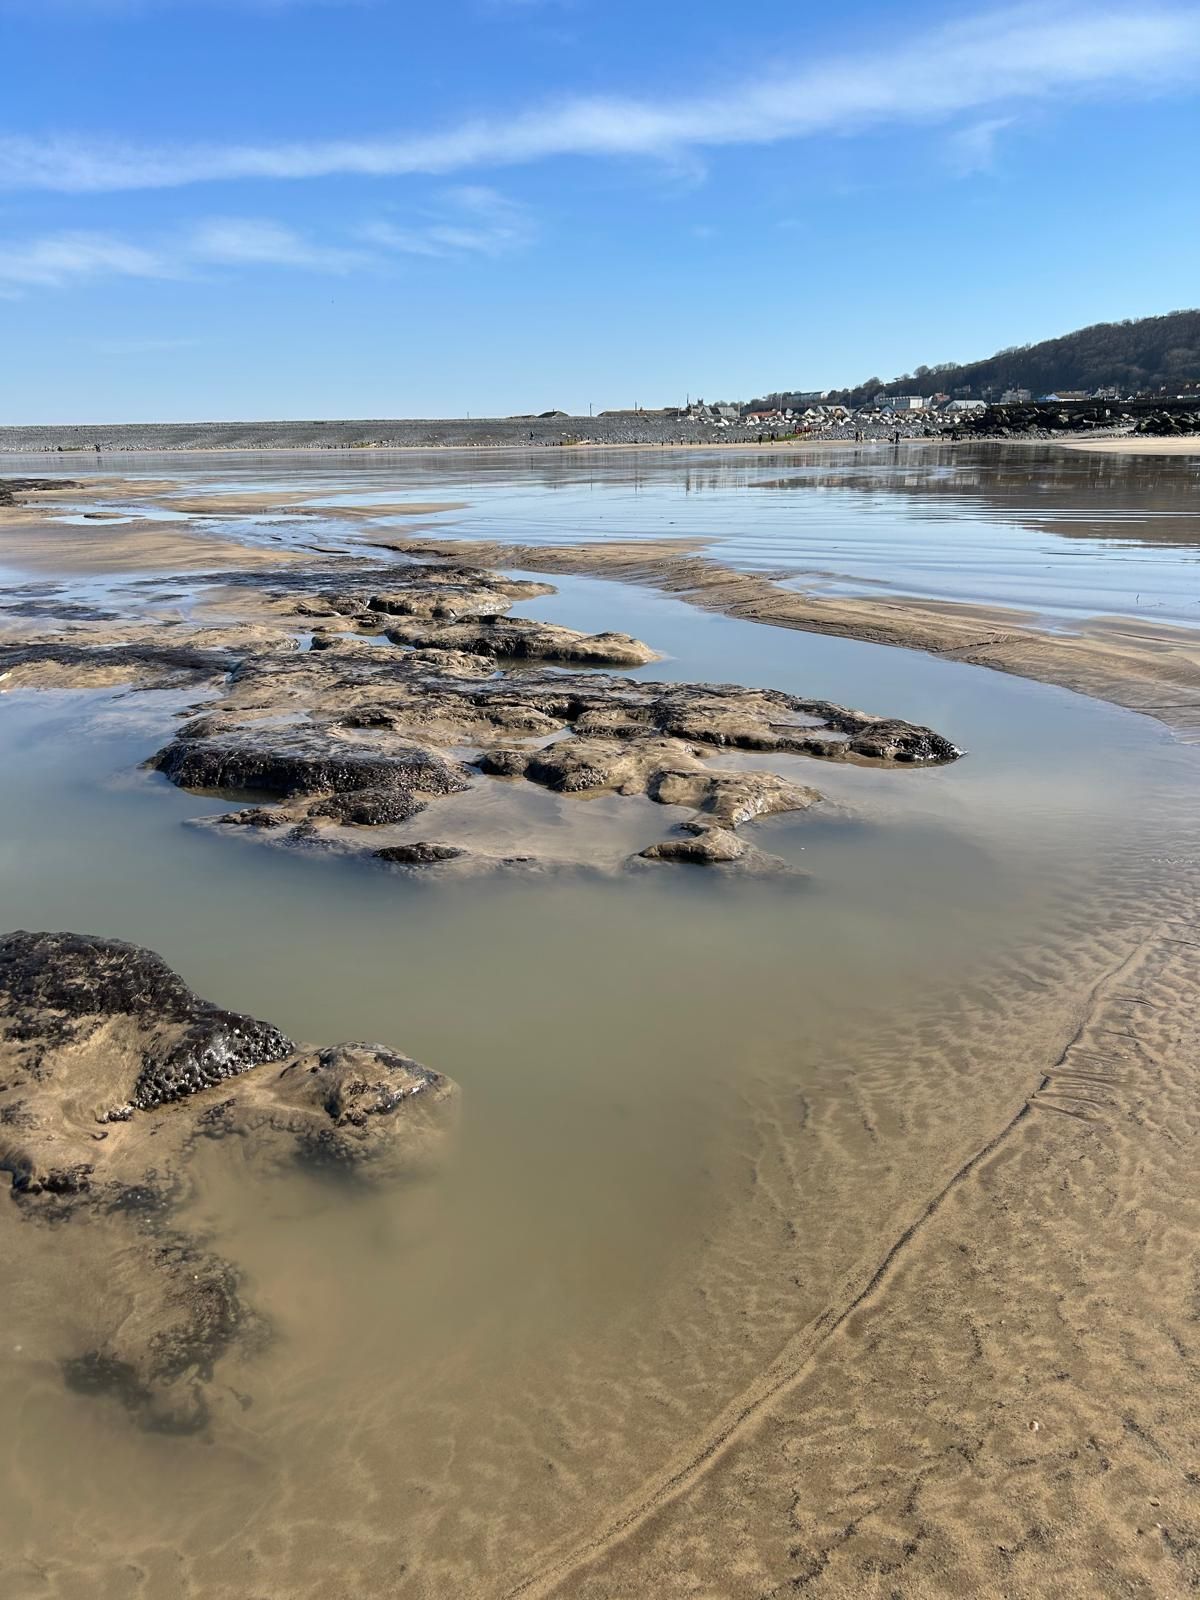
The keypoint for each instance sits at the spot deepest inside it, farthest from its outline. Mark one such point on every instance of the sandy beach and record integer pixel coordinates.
(1143, 445)
(906, 1310)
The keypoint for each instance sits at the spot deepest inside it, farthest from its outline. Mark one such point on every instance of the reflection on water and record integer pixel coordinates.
(1064, 533)
(690, 1104)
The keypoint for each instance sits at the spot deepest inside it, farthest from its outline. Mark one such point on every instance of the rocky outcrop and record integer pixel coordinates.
(456, 593)
(304, 761)
(361, 734)
(66, 664)
(11, 489)
(512, 639)
(111, 1071)
(713, 846)
(421, 853)
(362, 746)
(53, 986)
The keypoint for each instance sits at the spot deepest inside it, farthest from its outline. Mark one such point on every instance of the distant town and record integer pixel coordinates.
(821, 409)
(1138, 377)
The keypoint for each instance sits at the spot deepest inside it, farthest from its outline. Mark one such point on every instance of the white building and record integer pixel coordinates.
(902, 402)
(1016, 397)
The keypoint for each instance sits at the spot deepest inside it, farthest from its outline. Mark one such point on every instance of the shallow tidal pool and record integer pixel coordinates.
(692, 1106)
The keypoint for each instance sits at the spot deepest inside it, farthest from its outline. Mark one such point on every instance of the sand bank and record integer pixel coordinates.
(1140, 445)
(301, 502)
(141, 546)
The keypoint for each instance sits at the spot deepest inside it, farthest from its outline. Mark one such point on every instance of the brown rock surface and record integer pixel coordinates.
(111, 1071)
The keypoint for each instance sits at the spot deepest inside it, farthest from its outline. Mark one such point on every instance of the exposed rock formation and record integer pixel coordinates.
(508, 638)
(111, 1070)
(361, 733)
(11, 489)
(303, 761)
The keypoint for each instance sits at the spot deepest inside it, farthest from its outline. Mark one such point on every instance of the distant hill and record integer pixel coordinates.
(1148, 354)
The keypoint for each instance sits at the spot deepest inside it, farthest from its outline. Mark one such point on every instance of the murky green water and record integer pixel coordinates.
(690, 1104)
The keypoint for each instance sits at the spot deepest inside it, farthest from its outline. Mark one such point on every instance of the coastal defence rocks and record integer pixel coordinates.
(1169, 424)
(1048, 419)
(1037, 419)
(112, 1071)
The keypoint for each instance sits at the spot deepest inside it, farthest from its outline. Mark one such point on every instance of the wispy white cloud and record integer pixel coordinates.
(255, 241)
(973, 149)
(471, 220)
(467, 221)
(994, 60)
(61, 258)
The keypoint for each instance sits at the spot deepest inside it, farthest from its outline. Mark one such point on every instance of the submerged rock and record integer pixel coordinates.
(111, 1071)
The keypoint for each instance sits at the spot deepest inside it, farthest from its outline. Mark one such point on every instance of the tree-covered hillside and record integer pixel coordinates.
(1149, 354)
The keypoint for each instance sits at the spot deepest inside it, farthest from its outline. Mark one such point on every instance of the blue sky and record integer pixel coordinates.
(328, 208)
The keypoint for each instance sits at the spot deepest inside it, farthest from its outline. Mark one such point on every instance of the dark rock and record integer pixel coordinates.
(369, 808)
(518, 640)
(12, 488)
(301, 761)
(253, 817)
(95, 1031)
(421, 854)
(189, 1044)
(162, 667)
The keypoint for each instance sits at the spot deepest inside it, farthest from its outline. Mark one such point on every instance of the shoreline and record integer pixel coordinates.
(345, 452)
(1117, 444)
(1149, 668)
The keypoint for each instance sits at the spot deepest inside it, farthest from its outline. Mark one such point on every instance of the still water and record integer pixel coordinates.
(1065, 534)
(692, 1106)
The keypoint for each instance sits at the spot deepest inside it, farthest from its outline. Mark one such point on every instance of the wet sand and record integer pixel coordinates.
(1143, 445)
(779, 1222)
(1004, 1405)
(1136, 662)
(102, 546)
